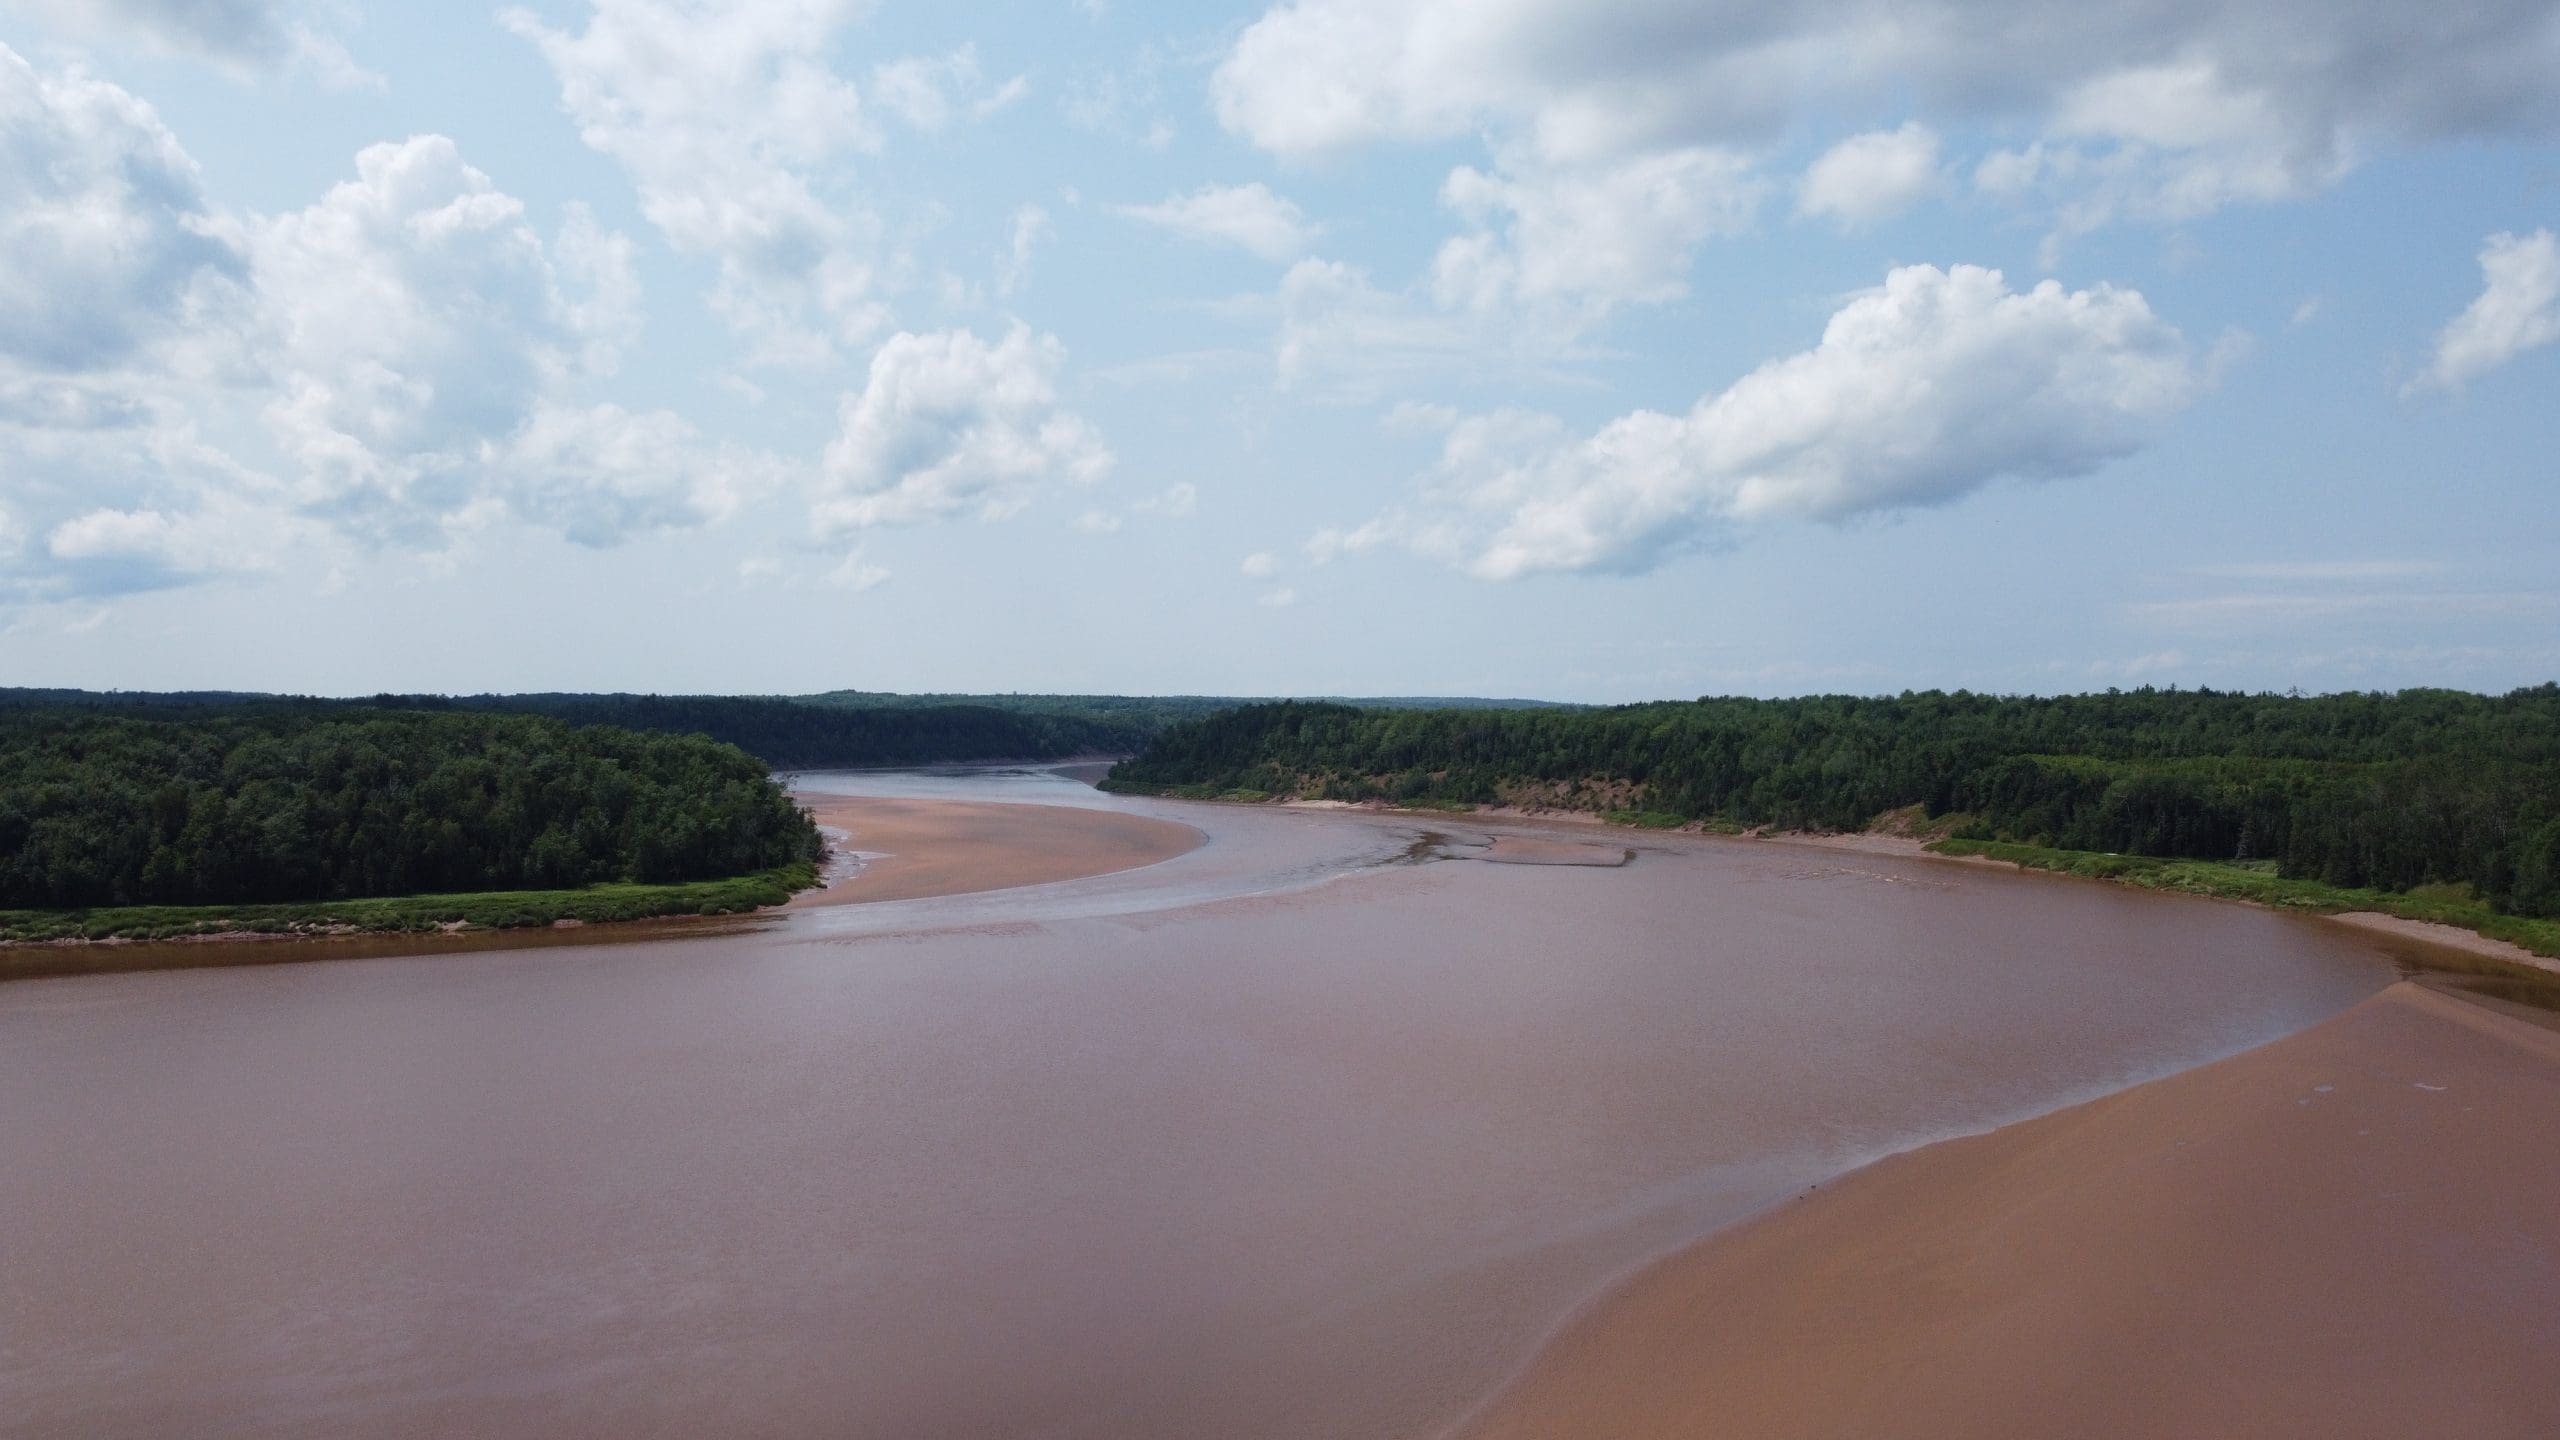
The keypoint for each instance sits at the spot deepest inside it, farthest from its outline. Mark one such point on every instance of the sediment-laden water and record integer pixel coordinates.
(1306, 1133)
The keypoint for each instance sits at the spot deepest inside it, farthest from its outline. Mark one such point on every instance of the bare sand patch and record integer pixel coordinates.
(2351, 1232)
(1527, 850)
(912, 849)
(1869, 842)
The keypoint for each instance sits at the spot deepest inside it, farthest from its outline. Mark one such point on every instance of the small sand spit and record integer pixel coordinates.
(2352, 1232)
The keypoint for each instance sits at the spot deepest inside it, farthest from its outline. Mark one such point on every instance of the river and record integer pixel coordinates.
(1314, 1131)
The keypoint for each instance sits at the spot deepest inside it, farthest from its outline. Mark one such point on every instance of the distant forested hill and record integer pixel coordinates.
(848, 728)
(2389, 791)
(180, 805)
(1131, 719)
(1139, 718)
(859, 728)
(791, 735)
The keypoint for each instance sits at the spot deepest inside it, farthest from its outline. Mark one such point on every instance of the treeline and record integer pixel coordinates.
(172, 806)
(793, 735)
(786, 734)
(851, 729)
(1133, 720)
(1126, 722)
(2386, 791)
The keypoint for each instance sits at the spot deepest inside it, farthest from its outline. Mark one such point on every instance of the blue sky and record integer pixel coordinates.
(1574, 348)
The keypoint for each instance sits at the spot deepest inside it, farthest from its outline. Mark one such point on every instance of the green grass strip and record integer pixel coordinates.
(493, 910)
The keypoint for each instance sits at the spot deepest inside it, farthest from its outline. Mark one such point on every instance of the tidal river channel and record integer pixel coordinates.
(1314, 1131)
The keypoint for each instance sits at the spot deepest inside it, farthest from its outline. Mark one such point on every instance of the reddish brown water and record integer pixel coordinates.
(1152, 1155)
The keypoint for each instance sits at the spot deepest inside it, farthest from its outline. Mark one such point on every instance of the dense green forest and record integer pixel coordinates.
(230, 804)
(785, 734)
(2380, 791)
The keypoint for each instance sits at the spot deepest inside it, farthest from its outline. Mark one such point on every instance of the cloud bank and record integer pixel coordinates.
(187, 393)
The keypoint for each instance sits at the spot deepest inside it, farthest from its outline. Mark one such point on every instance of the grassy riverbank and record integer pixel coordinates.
(2258, 882)
(491, 910)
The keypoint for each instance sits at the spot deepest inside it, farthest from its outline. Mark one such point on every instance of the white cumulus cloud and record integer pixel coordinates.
(947, 425)
(1572, 243)
(1873, 177)
(599, 473)
(732, 126)
(1932, 385)
(188, 393)
(420, 329)
(106, 552)
(2518, 309)
(106, 241)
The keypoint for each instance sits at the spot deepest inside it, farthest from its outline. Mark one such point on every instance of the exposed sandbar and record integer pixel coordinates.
(913, 849)
(2351, 1232)
(1533, 850)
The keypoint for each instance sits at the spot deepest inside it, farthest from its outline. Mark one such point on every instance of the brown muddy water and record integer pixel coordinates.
(1287, 1137)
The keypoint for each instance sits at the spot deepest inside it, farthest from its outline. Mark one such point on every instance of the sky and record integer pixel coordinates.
(1576, 349)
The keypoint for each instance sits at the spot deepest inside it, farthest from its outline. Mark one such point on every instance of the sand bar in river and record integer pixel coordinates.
(912, 849)
(2354, 1231)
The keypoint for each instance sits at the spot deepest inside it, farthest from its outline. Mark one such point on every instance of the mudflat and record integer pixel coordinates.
(913, 849)
(2354, 1231)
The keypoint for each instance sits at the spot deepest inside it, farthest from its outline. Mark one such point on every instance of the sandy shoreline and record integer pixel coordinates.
(2450, 937)
(2354, 1231)
(914, 849)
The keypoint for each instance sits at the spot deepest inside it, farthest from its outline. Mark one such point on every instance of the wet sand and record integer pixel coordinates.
(917, 849)
(2354, 1231)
